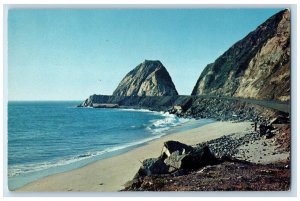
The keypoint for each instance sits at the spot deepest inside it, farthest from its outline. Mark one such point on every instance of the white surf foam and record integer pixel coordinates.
(135, 110)
(158, 128)
(161, 125)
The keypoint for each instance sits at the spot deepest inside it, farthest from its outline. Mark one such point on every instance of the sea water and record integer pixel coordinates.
(45, 138)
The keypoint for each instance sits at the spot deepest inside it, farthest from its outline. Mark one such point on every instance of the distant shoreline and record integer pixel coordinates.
(112, 173)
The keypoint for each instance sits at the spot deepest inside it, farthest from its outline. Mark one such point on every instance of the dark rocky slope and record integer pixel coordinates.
(228, 176)
(197, 106)
(149, 78)
(258, 66)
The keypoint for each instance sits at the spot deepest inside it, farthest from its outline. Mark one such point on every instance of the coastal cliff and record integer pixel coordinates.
(149, 78)
(258, 66)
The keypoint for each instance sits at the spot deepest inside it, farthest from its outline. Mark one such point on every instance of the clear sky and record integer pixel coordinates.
(71, 54)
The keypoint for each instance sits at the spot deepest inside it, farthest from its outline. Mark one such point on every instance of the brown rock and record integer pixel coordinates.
(149, 78)
(258, 66)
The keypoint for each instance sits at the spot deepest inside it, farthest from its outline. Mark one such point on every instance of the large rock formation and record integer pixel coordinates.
(258, 66)
(150, 78)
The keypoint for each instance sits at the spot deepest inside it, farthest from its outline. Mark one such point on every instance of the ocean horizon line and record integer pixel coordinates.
(42, 100)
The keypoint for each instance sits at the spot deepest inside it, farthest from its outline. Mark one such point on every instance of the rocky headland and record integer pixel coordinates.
(249, 82)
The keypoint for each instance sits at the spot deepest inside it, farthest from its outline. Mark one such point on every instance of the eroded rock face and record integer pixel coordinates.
(258, 66)
(150, 78)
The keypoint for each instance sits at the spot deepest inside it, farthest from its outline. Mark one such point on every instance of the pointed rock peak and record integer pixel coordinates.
(152, 61)
(149, 78)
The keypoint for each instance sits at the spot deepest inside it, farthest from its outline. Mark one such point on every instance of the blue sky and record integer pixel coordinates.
(71, 54)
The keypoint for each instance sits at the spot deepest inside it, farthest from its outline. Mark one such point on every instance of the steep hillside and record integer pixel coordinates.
(258, 66)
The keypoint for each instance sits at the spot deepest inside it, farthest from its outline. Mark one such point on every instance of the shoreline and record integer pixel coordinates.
(179, 127)
(110, 174)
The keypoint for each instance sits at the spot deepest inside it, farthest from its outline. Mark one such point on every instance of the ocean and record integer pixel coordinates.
(49, 137)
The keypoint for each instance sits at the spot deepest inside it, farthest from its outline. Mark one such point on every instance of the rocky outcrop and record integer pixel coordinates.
(258, 66)
(221, 109)
(149, 78)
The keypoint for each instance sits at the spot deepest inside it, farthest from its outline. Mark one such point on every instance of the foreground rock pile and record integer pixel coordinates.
(219, 164)
(177, 158)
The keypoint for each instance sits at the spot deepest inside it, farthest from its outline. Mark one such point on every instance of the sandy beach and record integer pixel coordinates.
(109, 175)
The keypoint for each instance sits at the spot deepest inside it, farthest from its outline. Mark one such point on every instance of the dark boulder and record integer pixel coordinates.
(192, 160)
(152, 166)
(199, 158)
(175, 146)
(265, 129)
